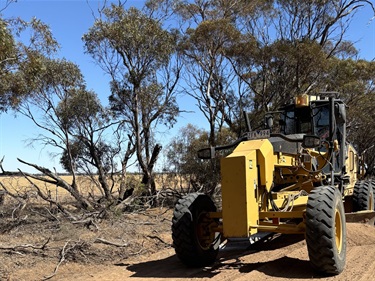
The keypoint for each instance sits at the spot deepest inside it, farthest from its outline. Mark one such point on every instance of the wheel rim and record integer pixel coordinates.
(338, 231)
(204, 236)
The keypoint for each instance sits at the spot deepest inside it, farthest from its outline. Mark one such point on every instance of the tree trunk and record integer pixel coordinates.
(148, 177)
(123, 190)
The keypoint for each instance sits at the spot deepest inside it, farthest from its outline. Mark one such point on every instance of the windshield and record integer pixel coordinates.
(321, 121)
(297, 121)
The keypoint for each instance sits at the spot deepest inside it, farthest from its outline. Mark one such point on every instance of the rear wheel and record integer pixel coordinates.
(363, 196)
(194, 242)
(326, 230)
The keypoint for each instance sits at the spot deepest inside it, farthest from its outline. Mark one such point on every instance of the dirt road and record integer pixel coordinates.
(283, 258)
(146, 253)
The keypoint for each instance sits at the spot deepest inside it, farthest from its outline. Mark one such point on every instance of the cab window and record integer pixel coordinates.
(297, 121)
(321, 121)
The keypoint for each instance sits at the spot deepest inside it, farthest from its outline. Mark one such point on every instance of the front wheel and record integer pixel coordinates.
(326, 230)
(193, 239)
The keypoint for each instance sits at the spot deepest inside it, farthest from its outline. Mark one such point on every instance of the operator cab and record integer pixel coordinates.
(310, 115)
(311, 119)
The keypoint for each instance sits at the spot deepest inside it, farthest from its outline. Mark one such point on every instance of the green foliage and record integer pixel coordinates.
(154, 105)
(211, 36)
(81, 114)
(79, 156)
(22, 64)
(202, 10)
(71, 156)
(140, 41)
(288, 69)
(80, 109)
(355, 81)
(208, 70)
(203, 175)
(7, 44)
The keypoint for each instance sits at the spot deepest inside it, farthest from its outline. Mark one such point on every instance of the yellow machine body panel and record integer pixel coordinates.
(243, 172)
(352, 167)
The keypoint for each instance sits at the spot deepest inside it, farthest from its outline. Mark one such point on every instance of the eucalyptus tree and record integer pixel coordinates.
(73, 121)
(52, 94)
(354, 80)
(88, 147)
(136, 51)
(66, 113)
(181, 156)
(295, 42)
(209, 74)
(26, 73)
(210, 31)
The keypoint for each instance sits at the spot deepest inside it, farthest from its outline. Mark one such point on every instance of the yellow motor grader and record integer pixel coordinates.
(299, 177)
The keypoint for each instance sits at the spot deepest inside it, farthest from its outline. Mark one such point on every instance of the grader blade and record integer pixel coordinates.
(367, 217)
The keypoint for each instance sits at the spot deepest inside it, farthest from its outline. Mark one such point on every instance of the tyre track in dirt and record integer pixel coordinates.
(284, 257)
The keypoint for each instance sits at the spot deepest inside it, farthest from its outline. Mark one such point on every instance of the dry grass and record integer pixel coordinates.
(87, 186)
(20, 185)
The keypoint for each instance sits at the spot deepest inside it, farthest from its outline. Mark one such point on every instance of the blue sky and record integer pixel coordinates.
(69, 20)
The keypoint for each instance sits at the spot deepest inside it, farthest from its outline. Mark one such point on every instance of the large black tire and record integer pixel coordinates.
(363, 196)
(194, 244)
(326, 230)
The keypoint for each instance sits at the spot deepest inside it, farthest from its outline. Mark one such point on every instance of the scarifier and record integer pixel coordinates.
(300, 176)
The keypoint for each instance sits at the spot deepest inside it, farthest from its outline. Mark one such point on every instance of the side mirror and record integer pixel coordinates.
(206, 153)
(269, 121)
(311, 141)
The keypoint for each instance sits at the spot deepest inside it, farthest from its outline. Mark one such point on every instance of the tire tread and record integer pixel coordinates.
(320, 232)
(183, 236)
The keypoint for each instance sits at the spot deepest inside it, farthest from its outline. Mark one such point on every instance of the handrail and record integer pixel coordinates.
(209, 152)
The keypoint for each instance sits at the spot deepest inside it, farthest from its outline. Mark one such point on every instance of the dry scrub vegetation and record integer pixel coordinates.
(36, 239)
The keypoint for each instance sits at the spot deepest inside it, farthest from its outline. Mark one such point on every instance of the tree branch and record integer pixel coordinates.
(57, 181)
(106, 242)
(25, 246)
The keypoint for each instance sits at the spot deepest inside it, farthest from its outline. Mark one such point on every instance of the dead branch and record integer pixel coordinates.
(55, 179)
(62, 259)
(13, 195)
(45, 216)
(58, 181)
(7, 173)
(152, 215)
(96, 215)
(168, 192)
(140, 250)
(21, 206)
(48, 199)
(64, 255)
(106, 242)
(21, 198)
(16, 248)
(11, 224)
(7, 3)
(159, 239)
(141, 223)
(87, 223)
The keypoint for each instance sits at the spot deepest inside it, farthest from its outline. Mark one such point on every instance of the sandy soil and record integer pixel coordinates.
(283, 258)
(143, 252)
